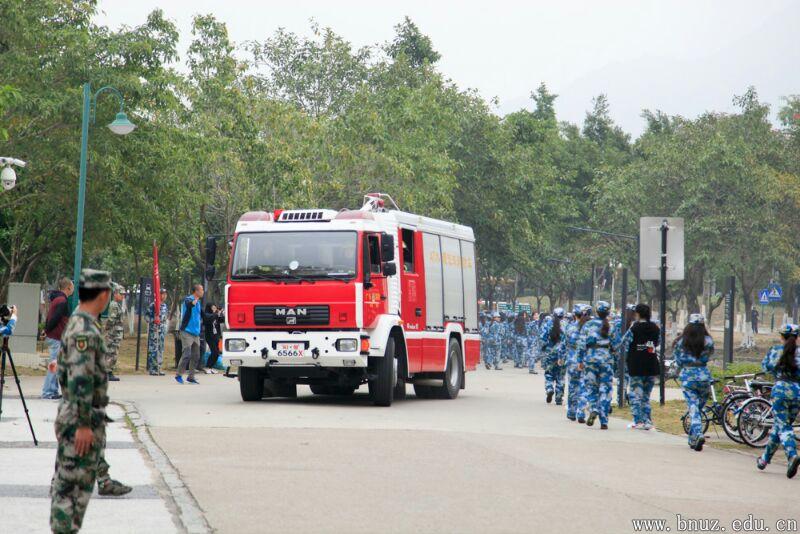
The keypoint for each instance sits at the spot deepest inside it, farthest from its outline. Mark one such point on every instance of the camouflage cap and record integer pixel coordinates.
(92, 279)
(118, 289)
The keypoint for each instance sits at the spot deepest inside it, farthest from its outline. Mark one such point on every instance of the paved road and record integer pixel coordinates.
(497, 459)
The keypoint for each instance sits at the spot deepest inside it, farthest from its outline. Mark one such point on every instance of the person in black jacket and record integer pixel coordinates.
(641, 341)
(212, 329)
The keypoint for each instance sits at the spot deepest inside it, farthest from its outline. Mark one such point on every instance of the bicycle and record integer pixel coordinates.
(756, 420)
(724, 414)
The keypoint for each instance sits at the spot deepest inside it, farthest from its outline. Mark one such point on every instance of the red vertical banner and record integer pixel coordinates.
(156, 287)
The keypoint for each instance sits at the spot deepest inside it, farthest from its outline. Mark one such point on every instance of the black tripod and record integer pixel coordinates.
(7, 354)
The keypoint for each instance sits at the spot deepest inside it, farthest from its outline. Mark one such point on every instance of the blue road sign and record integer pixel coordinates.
(763, 296)
(775, 293)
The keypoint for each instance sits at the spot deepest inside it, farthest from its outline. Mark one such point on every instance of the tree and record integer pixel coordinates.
(412, 44)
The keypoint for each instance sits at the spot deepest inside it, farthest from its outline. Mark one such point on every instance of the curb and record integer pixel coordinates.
(190, 514)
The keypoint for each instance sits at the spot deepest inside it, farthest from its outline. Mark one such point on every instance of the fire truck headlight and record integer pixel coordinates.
(235, 345)
(347, 345)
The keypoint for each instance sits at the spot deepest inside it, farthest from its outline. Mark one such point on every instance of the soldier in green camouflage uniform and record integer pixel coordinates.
(114, 329)
(81, 421)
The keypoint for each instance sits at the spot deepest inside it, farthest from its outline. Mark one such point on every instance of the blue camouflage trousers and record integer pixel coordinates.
(598, 379)
(696, 395)
(641, 387)
(520, 350)
(155, 346)
(576, 403)
(492, 355)
(785, 407)
(554, 375)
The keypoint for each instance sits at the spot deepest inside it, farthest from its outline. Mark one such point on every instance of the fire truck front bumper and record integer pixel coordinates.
(295, 349)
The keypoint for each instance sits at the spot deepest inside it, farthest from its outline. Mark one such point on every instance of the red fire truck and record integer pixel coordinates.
(337, 299)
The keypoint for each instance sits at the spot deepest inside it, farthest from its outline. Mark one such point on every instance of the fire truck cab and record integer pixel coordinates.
(338, 299)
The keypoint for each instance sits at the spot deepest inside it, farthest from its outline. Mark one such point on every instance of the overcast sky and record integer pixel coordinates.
(683, 57)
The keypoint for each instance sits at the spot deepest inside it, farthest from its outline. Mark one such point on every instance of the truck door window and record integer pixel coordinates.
(408, 250)
(374, 254)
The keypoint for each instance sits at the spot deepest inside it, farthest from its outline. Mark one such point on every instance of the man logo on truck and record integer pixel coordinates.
(287, 312)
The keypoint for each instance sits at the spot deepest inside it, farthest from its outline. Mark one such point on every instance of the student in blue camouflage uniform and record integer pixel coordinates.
(520, 327)
(638, 347)
(533, 344)
(508, 338)
(692, 351)
(483, 330)
(554, 359)
(576, 409)
(156, 335)
(594, 357)
(784, 362)
(494, 338)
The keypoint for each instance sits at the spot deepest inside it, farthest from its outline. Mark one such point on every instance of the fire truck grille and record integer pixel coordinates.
(291, 315)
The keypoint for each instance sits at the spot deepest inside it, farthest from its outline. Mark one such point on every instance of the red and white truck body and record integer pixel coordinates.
(337, 299)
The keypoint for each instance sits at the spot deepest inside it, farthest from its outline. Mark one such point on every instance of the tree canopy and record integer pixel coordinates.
(293, 121)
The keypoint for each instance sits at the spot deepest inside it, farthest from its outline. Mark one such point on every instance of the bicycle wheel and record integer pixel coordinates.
(730, 415)
(687, 421)
(755, 422)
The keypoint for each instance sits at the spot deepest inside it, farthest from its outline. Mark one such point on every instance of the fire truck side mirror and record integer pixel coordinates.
(389, 269)
(387, 247)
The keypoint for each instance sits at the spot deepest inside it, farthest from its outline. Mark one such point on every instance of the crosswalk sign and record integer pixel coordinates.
(763, 296)
(775, 293)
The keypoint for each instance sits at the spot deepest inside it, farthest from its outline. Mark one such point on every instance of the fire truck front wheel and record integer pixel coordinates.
(453, 374)
(251, 383)
(384, 370)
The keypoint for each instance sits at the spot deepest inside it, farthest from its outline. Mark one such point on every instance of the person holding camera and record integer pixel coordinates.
(81, 421)
(57, 317)
(10, 319)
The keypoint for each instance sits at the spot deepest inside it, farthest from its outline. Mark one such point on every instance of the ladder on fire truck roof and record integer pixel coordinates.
(377, 202)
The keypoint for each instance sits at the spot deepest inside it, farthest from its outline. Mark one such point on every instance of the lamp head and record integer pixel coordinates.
(8, 178)
(121, 124)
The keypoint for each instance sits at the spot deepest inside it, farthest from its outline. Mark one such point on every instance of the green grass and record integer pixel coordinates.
(667, 419)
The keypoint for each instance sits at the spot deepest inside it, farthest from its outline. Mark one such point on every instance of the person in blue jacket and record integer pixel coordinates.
(533, 344)
(784, 362)
(594, 358)
(576, 409)
(554, 360)
(494, 338)
(520, 327)
(693, 350)
(7, 330)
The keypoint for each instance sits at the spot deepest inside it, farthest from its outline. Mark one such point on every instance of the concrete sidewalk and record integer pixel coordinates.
(26, 470)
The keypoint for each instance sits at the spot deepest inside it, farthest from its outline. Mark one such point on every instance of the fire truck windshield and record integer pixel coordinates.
(294, 255)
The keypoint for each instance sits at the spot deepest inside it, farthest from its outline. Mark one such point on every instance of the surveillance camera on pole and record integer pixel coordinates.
(8, 177)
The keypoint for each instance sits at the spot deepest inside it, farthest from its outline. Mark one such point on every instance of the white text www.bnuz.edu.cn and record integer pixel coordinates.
(685, 524)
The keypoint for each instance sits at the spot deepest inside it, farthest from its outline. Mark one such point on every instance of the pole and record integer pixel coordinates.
(591, 300)
(730, 308)
(638, 266)
(87, 96)
(663, 311)
(623, 303)
(139, 321)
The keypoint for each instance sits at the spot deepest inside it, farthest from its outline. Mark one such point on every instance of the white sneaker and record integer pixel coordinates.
(635, 426)
(214, 371)
(647, 426)
(207, 371)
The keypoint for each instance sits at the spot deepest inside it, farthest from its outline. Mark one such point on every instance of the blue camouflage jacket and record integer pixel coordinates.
(593, 347)
(555, 350)
(693, 368)
(770, 363)
(495, 333)
(572, 333)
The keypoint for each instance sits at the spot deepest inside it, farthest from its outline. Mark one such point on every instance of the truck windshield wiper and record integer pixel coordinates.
(272, 276)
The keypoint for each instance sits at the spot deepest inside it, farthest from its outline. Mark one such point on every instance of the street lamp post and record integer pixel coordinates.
(120, 126)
